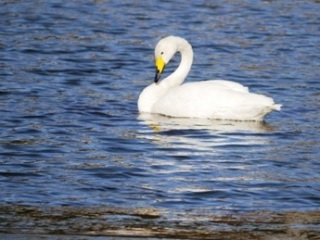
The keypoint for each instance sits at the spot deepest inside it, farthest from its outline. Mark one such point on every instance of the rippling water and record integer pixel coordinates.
(71, 73)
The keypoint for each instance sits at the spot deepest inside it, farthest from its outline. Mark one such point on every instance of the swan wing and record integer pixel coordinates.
(227, 85)
(217, 99)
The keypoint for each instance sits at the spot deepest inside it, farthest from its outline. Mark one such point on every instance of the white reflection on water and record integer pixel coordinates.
(203, 134)
(205, 161)
(163, 123)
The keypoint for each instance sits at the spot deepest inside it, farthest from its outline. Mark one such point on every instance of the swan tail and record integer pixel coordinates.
(277, 107)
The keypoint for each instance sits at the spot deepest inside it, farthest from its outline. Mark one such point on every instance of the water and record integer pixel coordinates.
(71, 136)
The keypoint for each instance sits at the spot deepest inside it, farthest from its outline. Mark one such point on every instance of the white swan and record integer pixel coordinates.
(213, 99)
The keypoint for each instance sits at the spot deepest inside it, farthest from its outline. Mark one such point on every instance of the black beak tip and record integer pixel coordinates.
(157, 77)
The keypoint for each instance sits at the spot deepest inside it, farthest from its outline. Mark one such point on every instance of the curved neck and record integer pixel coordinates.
(179, 75)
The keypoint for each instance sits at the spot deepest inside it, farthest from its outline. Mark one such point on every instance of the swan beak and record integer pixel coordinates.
(160, 65)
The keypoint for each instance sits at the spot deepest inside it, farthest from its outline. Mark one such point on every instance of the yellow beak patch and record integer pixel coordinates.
(160, 64)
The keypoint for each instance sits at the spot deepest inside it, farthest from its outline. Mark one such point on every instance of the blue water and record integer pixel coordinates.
(71, 135)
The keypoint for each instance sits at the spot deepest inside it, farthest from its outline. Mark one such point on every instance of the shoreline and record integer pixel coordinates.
(70, 222)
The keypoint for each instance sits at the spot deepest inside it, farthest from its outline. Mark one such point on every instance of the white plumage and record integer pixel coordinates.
(212, 99)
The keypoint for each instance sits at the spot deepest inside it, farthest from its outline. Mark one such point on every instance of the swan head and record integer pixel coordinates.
(164, 51)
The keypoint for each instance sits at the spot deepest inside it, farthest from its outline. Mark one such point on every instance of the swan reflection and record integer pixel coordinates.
(163, 123)
(185, 136)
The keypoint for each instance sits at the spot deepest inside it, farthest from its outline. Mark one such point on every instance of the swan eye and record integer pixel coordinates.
(161, 53)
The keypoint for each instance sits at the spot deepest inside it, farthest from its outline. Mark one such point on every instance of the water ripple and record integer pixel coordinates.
(71, 73)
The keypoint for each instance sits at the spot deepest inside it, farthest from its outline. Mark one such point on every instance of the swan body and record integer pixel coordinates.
(212, 99)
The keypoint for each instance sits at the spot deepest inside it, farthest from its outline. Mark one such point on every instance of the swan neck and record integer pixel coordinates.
(180, 74)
